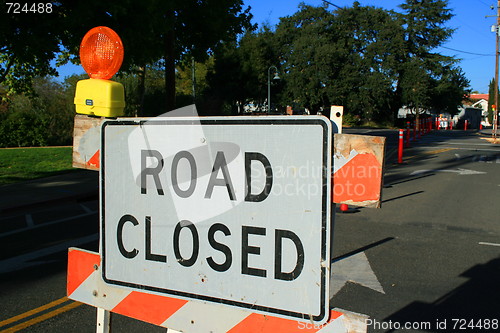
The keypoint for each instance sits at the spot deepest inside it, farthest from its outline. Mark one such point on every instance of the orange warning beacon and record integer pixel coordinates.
(101, 54)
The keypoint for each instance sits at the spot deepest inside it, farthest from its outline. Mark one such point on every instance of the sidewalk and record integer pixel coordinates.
(67, 186)
(488, 132)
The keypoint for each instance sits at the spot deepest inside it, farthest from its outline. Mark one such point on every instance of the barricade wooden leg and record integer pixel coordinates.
(103, 319)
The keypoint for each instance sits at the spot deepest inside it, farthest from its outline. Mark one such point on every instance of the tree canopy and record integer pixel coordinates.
(28, 43)
(151, 30)
(368, 59)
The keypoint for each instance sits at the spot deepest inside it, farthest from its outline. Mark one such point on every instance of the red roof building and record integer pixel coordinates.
(479, 96)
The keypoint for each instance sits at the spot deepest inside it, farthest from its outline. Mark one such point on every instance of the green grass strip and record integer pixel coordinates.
(21, 164)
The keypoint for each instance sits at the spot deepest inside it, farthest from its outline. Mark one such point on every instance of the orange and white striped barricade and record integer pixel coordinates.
(358, 165)
(158, 254)
(85, 284)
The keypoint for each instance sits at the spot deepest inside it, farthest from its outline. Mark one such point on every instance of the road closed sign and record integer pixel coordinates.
(230, 210)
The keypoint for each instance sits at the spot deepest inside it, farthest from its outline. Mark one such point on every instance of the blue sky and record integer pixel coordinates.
(473, 41)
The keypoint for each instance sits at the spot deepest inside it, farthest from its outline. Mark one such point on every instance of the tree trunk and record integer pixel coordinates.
(397, 100)
(141, 90)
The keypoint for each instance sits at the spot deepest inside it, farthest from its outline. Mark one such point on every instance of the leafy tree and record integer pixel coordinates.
(424, 26)
(416, 86)
(225, 89)
(153, 31)
(347, 57)
(310, 55)
(257, 53)
(367, 76)
(157, 31)
(241, 71)
(184, 77)
(44, 117)
(28, 42)
(370, 60)
(144, 96)
(424, 30)
(449, 89)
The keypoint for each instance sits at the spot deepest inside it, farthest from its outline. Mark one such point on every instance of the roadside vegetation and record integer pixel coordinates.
(370, 60)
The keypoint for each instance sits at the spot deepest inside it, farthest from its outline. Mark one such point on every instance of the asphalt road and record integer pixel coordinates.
(429, 259)
(434, 244)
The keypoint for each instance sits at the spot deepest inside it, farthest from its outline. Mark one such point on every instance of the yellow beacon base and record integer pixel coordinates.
(102, 98)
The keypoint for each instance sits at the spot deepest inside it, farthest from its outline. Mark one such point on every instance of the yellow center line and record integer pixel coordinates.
(34, 311)
(38, 319)
(432, 152)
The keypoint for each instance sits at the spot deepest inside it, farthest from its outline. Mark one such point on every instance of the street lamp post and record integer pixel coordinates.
(276, 77)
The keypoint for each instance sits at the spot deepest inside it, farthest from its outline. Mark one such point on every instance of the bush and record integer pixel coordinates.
(351, 120)
(22, 129)
(45, 118)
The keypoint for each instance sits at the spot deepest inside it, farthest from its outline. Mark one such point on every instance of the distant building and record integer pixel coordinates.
(478, 96)
(471, 114)
(479, 101)
(406, 112)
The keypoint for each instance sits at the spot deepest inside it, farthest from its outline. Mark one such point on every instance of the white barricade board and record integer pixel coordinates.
(232, 210)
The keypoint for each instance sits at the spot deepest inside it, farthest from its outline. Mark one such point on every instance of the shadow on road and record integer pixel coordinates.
(40, 266)
(403, 196)
(473, 306)
(407, 180)
(363, 249)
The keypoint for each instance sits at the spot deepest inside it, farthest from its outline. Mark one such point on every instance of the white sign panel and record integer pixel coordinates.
(230, 210)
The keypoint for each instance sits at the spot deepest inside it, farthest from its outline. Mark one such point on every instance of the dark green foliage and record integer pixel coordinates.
(146, 102)
(367, 74)
(28, 42)
(491, 100)
(428, 80)
(370, 60)
(423, 22)
(240, 73)
(311, 55)
(22, 129)
(449, 89)
(155, 31)
(43, 118)
(152, 31)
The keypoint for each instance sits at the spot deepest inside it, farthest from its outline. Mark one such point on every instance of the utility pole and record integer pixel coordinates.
(495, 114)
